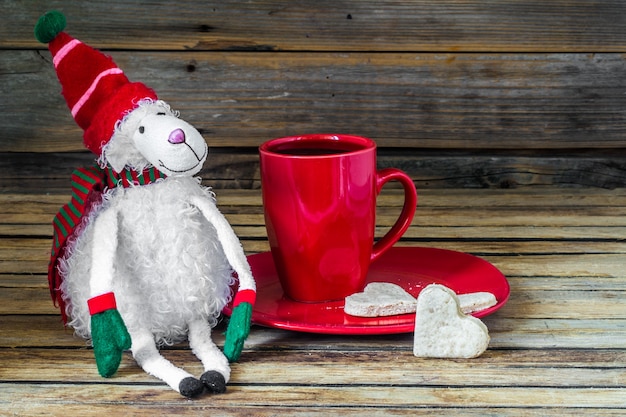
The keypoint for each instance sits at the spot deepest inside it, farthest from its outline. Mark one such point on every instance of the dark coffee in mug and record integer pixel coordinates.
(315, 148)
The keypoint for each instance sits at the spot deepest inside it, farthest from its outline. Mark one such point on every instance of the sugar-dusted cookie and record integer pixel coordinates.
(442, 330)
(380, 299)
(476, 301)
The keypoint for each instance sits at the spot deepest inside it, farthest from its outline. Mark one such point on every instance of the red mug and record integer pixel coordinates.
(319, 196)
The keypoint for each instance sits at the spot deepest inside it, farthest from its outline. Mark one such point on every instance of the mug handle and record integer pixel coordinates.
(408, 210)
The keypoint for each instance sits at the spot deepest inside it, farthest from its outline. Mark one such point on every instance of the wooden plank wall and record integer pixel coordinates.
(484, 94)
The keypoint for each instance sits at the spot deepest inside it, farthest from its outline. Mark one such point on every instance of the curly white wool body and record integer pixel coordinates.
(170, 268)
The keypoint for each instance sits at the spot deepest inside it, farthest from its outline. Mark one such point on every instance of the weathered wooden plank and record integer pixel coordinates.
(469, 209)
(363, 351)
(28, 249)
(32, 331)
(23, 281)
(617, 284)
(547, 333)
(29, 256)
(605, 219)
(326, 25)
(39, 263)
(458, 199)
(423, 235)
(453, 199)
(481, 240)
(539, 304)
(441, 217)
(475, 239)
(506, 333)
(463, 197)
(239, 168)
(495, 367)
(573, 265)
(524, 284)
(408, 100)
(525, 303)
(364, 397)
(191, 408)
(558, 304)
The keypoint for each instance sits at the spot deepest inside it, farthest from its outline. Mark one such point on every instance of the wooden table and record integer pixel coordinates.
(558, 347)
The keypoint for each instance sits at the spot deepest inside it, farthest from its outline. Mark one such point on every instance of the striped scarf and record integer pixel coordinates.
(88, 184)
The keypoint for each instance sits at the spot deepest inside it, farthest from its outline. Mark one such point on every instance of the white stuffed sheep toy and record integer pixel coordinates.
(141, 255)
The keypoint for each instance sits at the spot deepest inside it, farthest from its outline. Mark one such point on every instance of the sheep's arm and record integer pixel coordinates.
(240, 318)
(103, 252)
(108, 331)
(229, 241)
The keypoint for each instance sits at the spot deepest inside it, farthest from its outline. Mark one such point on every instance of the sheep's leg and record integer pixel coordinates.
(148, 357)
(216, 367)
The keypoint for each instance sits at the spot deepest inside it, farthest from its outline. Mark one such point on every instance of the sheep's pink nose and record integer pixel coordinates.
(177, 136)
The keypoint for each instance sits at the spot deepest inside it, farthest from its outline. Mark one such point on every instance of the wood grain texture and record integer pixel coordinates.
(510, 117)
(407, 100)
(364, 397)
(497, 367)
(429, 169)
(450, 25)
(181, 408)
(469, 94)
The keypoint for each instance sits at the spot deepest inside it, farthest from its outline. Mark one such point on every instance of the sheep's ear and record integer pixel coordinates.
(117, 164)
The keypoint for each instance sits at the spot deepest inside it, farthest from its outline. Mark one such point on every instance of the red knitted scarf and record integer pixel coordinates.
(88, 184)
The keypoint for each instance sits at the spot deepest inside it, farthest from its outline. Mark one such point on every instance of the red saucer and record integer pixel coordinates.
(412, 268)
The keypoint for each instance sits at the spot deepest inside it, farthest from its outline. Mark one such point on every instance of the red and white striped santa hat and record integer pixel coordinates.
(95, 89)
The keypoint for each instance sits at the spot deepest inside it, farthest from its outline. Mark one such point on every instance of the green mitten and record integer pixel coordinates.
(109, 334)
(237, 331)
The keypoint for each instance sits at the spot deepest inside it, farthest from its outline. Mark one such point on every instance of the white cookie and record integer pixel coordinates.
(441, 328)
(380, 299)
(476, 301)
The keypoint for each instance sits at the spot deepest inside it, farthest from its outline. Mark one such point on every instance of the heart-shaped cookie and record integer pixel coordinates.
(476, 301)
(380, 299)
(441, 328)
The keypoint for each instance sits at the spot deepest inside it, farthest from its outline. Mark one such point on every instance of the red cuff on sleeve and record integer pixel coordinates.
(101, 303)
(244, 296)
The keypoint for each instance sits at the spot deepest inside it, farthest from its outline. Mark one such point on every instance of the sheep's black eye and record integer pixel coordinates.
(161, 114)
(142, 129)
